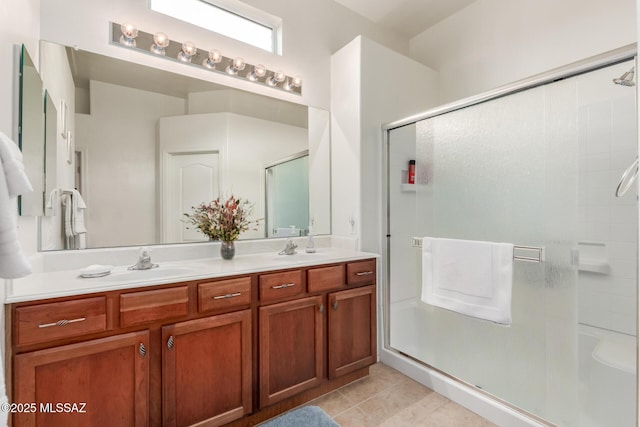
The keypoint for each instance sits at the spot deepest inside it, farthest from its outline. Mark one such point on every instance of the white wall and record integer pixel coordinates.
(345, 140)
(18, 24)
(371, 85)
(312, 30)
(493, 42)
(319, 173)
(121, 163)
(393, 87)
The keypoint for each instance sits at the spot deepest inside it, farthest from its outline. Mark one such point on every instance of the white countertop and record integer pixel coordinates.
(66, 283)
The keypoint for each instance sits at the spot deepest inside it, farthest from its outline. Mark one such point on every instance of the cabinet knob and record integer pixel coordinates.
(142, 350)
(170, 342)
(335, 305)
(321, 308)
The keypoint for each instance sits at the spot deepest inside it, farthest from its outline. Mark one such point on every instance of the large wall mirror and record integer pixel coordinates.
(147, 145)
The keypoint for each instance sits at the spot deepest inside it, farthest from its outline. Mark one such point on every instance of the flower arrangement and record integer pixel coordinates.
(222, 220)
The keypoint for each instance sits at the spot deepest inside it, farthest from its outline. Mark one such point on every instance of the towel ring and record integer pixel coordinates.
(627, 179)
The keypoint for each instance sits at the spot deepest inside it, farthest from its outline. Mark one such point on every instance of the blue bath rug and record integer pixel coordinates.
(307, 416)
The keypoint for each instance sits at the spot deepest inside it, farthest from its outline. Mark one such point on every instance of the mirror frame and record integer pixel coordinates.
(30, 105)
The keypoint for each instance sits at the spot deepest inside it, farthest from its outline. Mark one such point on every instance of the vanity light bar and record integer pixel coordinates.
(187, 53)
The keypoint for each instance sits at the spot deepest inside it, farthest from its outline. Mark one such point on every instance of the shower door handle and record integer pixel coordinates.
(628, 178)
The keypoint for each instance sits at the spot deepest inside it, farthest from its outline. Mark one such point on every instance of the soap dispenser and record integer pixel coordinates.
(311, 246)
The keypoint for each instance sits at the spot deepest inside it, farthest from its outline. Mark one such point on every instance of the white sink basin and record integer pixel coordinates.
(154, 273)
(300, 256)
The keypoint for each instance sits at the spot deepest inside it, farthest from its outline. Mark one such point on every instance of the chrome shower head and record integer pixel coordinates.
(626, 79)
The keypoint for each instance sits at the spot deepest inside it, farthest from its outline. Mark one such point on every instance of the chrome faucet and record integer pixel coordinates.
(144, 260)
(289, 249)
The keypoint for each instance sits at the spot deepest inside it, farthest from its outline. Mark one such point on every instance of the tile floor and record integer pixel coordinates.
(388, 398)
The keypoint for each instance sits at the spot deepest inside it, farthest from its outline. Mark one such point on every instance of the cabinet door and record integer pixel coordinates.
(352, 340)
(291, 348)
(206, 370)
(102, 382)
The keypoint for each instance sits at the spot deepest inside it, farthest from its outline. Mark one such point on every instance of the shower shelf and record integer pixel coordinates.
(594, 266)
(412, 188)
(592, 257)
(409, 188)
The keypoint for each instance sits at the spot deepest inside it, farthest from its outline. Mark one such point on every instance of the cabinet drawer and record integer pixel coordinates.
(224, 294)
(361, 272)
(325, 278)
(280, 285)
(47, 322)
(149, 306)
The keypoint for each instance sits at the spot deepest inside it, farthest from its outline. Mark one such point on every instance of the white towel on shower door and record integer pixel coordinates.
(473, 278)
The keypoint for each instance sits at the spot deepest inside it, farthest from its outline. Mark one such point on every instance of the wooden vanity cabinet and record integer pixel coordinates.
(234, 350)
(98, 382)
(335, 328)
(206, 370)
(352, 337)
(291, 348)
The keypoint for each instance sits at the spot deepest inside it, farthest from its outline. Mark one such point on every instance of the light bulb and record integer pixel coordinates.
(292, 83)
(236, 65)
(258, 71)
(275, 78)
(214, 57)
(188, 50)
(129, 34)
(160, 42)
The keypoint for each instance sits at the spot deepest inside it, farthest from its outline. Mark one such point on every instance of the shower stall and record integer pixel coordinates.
(537, 164)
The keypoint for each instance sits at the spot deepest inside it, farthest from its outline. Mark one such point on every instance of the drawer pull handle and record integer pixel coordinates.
(142, 350)
(286, 285)
(237, 294)
(335, 305)
(364, 273)
(62, 322)
(170, 342)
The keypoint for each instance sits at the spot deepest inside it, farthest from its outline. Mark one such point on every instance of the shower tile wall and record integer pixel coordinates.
(607, 145)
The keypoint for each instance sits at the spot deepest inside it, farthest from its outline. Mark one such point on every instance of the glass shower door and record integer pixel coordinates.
(514, 170)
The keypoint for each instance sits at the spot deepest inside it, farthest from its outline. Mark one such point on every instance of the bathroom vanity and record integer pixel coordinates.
(228, 344)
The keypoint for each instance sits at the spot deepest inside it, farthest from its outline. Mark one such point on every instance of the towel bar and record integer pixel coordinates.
(520, 253)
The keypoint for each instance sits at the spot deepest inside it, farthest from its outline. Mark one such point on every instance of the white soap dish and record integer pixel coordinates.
(95, 270)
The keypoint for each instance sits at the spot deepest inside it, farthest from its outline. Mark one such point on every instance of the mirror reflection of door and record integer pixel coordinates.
(287, 197)
(195, 179)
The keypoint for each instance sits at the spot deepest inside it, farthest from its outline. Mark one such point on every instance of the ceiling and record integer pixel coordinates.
(406, 17)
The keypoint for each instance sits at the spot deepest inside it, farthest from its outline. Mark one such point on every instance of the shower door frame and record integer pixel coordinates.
(619, 55)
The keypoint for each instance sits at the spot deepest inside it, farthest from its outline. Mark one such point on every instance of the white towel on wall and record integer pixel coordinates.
(53, 203)
(77, 214)
(16, 179)
(13, 182)
(469, 277)
(77, 220)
